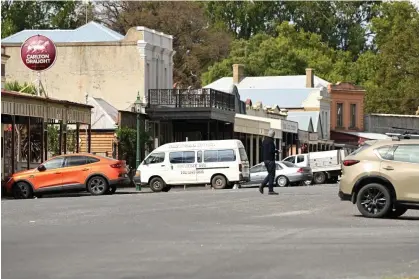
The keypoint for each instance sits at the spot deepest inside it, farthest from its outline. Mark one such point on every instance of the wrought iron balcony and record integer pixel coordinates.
(194, 98)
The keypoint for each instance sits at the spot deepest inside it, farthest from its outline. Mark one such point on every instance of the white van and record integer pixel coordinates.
(221, 163)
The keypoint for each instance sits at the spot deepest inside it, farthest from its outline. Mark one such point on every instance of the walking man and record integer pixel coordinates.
(269, 152)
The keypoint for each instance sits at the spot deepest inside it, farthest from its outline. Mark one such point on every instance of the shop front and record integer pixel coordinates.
(251, 130)
(35, 128)
(290, 142)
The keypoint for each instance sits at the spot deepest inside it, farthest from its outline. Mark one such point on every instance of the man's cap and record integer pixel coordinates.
(271, 133)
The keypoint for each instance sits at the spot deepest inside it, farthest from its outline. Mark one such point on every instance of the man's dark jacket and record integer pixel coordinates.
(269, 149)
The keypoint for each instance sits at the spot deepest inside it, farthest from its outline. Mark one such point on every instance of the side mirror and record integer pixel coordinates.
(42, 168)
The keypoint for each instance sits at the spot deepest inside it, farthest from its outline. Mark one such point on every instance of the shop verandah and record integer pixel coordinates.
(35, 128)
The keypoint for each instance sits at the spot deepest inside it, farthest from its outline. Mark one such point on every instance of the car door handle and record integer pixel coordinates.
(163, 165)
(85, 169)
(388, 168)
(58, 173)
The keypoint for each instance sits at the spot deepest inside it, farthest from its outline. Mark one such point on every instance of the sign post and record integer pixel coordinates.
(38, 53)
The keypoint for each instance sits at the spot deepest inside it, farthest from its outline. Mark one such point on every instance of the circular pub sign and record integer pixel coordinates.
(38, 53)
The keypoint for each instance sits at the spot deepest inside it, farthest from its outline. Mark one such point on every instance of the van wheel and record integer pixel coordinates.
(282, 181)
(319, 177)
(157, 184)
(374, 201)
(22, 190)
(97, 186)
(219, 182)
(167, 189)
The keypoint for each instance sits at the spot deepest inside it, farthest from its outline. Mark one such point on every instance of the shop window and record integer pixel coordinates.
(353, 116)
(339, 115)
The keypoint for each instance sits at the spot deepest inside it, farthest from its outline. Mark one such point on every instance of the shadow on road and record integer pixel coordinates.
(408, 218)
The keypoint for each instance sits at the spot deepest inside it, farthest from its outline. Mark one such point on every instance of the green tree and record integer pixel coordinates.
(245, 18)
(127, 139)
(394, 87)
(19, 15)
(288, 53)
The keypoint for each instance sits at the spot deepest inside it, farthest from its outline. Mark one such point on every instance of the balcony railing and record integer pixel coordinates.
(195, 98)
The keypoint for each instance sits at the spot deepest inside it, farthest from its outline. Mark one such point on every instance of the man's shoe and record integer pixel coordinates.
(272, 193)
(261, 189)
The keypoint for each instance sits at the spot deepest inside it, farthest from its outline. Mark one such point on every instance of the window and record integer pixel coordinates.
(384, 152)
(199, 157)
(3, 70)
(300, 159)
(92, 160)
(182, 157)
(226, 155)
(353, 116)
(73, 161)
(278, 167)
(407, 153)
(339, 115)
(155, 158)
(290, 159)
(54, 163)
(243, 155)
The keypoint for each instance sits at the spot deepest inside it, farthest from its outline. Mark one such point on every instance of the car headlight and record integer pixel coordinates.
(137, 173)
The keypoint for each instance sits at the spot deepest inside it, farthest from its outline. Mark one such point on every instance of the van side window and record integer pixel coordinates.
(155, 158)
(182, 157)
(226, 155)
(199, 157)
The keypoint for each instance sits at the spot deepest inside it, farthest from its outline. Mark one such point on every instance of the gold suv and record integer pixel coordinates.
(382, 177)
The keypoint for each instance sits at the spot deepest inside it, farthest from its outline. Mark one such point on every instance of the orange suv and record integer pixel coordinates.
(382, 177)
(96, 174)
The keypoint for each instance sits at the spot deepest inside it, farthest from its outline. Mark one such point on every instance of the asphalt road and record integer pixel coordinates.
(305, 232)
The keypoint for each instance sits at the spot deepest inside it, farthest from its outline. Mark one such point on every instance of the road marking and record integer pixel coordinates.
(289, 213)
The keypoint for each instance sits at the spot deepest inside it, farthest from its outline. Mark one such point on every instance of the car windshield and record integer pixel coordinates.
(288, 164)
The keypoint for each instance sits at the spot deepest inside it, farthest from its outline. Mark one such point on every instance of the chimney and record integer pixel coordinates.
(309, 78)
(238, 73)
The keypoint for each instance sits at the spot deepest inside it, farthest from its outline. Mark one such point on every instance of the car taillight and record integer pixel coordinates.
(348, 163)
(117, 165)
(300, 170)
(240, 167)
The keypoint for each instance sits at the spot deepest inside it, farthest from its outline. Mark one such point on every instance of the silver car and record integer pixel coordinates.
(286, 173)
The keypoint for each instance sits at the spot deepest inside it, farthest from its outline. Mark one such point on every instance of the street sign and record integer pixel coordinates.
(38, 53)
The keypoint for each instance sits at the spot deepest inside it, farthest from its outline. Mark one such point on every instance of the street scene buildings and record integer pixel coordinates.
(97, 95)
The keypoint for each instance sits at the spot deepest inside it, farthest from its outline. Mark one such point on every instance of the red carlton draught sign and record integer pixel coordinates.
(38, 53)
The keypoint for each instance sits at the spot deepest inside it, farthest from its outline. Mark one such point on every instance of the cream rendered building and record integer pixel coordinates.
(96, 61)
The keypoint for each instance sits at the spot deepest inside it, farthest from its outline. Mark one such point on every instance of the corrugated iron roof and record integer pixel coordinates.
(313, 115)
(284, 98)
(90, 32)
(305, 122)
(267, 82)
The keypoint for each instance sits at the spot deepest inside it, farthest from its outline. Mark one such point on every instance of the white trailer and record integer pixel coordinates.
(326, 165)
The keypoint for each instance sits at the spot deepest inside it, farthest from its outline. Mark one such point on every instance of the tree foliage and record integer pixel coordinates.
(19, 15)
(288, 53)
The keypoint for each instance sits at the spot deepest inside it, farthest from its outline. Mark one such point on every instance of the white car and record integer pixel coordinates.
(286, 173)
